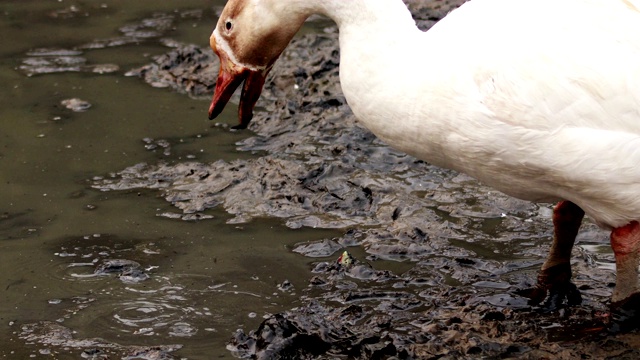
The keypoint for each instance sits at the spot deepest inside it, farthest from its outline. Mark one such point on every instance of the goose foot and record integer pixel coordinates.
(561, 296)
(625, 300)
(554, 280)
(625, 315)
(554, 289)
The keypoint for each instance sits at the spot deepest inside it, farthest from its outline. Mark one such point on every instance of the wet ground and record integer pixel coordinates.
(197, 282)
(133, 228)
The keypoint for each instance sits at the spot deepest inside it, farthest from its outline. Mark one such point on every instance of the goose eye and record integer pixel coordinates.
(228, 25)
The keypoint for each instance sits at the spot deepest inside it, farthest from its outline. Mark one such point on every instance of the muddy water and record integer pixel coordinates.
(103, 258)
(197, 282)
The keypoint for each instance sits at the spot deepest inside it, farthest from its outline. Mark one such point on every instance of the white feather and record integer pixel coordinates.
(539, 99)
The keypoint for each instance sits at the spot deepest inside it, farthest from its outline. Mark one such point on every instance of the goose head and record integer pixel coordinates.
(248, 38)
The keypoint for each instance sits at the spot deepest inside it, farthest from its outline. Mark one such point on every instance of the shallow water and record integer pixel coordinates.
(92, 274)
(206, 278)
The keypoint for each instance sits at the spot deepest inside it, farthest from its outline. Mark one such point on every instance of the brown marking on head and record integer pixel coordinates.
(262, 51)
(257, 31)
(249, 37)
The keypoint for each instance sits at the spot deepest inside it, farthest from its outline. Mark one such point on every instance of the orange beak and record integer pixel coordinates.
(230, 76)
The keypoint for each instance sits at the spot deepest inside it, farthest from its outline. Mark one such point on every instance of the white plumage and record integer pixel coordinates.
(539, 99)
(546, 112)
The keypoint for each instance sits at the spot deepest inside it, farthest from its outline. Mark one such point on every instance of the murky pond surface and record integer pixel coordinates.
(202, 279)
(132, 227)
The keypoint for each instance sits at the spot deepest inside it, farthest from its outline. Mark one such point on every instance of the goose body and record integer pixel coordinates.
(539, 99)
(545, 114)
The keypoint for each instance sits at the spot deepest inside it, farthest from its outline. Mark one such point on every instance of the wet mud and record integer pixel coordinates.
(54, 335)
(435, 259)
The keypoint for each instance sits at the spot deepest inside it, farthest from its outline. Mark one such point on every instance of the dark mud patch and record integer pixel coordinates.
(465, 250)
(355, 311)
(50, 336)
(190, 70)
(53, 60)
(50, 61)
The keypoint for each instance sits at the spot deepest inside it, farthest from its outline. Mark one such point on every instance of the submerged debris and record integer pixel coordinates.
(58, 60)
(128, 271)
(76, 104)
(345, 259)
(50, 334)
(49, 61)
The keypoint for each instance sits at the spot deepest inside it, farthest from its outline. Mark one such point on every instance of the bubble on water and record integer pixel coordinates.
(182, 329)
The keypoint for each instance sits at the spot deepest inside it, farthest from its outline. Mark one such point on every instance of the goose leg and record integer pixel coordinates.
(554, 279)
(625, 301)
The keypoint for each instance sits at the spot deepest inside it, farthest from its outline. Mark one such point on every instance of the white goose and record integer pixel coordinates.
(538, 98)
